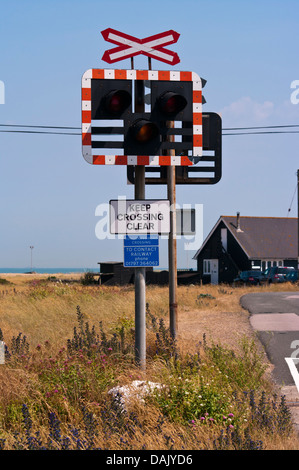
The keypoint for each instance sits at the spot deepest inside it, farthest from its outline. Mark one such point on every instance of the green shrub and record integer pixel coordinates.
(88, 279)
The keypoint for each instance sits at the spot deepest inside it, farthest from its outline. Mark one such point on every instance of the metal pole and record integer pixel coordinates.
(140, 329)
(172, 246)
(31, 265)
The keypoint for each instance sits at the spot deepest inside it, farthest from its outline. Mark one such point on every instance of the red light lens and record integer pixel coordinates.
(172, 103)
(117, 101)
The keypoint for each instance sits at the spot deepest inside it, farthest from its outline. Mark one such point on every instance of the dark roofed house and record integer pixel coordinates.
(241, 243)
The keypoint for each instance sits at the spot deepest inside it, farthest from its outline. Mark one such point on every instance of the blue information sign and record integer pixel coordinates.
(141, 251)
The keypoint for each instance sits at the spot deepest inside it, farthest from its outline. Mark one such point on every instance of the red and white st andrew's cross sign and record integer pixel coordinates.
(130, 46)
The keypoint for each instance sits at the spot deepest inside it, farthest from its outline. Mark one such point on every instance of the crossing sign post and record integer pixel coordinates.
(147, 119)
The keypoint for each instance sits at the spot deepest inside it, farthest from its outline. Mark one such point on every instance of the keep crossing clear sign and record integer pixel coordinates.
(139, 217)
(141, 251)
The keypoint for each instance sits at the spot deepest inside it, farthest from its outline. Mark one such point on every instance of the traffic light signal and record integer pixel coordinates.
(153, 132)
(111, 99)
(132, 117)
(208, 168)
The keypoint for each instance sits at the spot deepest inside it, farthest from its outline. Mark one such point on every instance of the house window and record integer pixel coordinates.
(206, 266)
(256, 265)
(265, 265)
(271, 263)
(224, 238)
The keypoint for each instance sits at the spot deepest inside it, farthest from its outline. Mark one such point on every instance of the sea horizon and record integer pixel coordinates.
(46, 270)
(28, 270)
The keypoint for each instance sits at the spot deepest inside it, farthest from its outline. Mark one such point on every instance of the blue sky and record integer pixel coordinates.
(247, 52)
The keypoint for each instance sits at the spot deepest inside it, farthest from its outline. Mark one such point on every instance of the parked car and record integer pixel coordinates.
(281, 274)
(292, 276)
(250, 277)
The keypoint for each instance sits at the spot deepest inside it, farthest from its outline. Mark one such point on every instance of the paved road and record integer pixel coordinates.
(275, 317)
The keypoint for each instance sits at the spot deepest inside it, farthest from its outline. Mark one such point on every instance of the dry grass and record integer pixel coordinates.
(46, 311)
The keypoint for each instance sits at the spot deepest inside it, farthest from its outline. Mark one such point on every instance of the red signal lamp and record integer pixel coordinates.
(117, 101)
(172, 103)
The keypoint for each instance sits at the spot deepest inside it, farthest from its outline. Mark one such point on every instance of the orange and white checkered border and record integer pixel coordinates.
(156, 160)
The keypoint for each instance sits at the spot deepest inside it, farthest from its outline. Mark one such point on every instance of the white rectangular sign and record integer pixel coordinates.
(139, 216)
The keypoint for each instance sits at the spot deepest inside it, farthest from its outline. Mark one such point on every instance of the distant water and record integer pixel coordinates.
(47, 270)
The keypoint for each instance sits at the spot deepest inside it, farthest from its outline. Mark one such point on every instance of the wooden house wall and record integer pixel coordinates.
(230, 262)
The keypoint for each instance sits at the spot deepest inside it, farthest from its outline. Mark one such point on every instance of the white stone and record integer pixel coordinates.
(137, 389)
